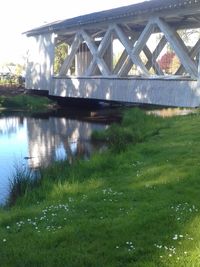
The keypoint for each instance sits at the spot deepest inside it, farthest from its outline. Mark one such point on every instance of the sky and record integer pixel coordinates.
(18, 16)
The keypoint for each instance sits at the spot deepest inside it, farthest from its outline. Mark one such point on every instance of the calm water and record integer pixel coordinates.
(38, 141)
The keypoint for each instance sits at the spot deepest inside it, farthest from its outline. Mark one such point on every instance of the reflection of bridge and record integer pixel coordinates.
(57, 139)
(118, 54)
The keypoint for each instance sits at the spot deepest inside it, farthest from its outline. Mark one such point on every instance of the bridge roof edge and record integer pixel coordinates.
(108, 16)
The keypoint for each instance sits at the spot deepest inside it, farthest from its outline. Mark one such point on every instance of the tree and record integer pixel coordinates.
(166, 61)
(189, 35)
(61, 53)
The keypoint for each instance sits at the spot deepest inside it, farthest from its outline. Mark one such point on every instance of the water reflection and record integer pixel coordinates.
(39, 141)
(58, 138)
(10, 126)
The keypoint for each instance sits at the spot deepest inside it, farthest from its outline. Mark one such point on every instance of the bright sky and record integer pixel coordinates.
(22, 15)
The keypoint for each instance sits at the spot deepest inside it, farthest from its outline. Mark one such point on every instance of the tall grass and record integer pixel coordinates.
(25, 102)
(135, 127)
(22, 181)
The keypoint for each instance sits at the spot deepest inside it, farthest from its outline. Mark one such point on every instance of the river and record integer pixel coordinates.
(35, 141)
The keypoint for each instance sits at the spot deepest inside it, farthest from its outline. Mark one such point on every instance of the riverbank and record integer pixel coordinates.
(12, 91)
(20, 99)
(136, 206)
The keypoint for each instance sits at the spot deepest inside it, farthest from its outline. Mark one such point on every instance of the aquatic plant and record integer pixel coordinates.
(22, 181)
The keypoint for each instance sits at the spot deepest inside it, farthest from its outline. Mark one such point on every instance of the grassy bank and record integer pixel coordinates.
(134, 206)
(25, 102)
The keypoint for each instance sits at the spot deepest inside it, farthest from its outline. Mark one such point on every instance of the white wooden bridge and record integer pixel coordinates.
(143, 53)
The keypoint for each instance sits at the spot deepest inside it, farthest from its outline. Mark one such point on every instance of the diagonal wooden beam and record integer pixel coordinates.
(156, 53)
(105, 42)
(130, 51)
(160, 47)
(194, 52)
(144, 36)
(125, 61)
(153, 61)
(124, 58)
(128, 64)
(141, 45)
(120, 62)
(96, 57)
(72, 52)
(179, 47)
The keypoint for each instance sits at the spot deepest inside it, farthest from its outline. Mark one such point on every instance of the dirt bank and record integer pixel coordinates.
(11, 91)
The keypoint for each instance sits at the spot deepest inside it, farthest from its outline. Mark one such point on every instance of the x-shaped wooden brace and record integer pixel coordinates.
(72, 52)
(172, 37)
(179, 47)
(193, 53)
(125, 61)
(134, 51)
(152, 57)
(98, 53)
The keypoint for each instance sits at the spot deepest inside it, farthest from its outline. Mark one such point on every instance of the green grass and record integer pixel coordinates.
(22, 182)
(139, 207)
(134, 128)
(25, 102)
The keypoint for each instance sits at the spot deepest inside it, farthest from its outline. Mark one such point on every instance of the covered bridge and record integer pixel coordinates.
(142, 53)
